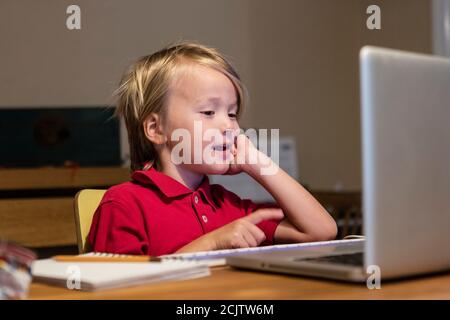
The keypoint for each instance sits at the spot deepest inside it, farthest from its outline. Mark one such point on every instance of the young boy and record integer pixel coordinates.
(168, 98)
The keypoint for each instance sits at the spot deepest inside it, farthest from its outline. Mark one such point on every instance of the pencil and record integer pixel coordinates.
(105, 258)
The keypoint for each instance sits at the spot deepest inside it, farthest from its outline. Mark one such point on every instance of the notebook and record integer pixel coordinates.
(93, 276)
(218, 257)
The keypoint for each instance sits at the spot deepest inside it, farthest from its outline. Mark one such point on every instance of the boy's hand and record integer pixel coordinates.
(243, 233)
(245, 155)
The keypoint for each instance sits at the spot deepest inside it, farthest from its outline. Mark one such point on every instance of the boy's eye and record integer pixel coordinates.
(232, 115)
(207, 113)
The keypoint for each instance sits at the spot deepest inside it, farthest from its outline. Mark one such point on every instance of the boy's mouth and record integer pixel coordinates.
(222, 147)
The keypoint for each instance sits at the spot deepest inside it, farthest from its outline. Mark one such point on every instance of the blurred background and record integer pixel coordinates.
(298, 59)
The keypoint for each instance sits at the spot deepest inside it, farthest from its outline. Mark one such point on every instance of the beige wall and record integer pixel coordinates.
(43, 63)
(298, 58)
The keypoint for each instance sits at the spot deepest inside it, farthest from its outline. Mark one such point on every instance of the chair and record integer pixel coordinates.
(86, 202)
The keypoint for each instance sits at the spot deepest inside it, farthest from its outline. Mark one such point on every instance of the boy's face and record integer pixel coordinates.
(202, 101)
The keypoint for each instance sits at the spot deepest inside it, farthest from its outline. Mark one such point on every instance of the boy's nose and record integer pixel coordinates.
(227, 125)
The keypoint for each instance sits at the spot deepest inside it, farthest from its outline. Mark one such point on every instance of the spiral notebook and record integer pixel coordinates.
(93, 276)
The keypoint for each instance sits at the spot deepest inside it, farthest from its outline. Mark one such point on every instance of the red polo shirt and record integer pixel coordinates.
(154, 214)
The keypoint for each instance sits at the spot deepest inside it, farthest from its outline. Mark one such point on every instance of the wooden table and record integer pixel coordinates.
(228, 283)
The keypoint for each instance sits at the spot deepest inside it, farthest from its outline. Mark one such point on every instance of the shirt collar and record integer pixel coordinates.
(170, 187)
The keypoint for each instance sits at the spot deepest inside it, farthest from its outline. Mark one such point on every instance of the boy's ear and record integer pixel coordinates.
(153, 129)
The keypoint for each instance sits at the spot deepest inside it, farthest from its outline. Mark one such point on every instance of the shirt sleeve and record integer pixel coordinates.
(267, 226)
(115, 229)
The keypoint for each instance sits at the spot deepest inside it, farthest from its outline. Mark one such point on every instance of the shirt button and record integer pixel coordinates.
(205, 219)
(196, 199)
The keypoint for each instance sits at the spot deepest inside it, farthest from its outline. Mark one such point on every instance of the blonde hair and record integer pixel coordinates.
(145, 86)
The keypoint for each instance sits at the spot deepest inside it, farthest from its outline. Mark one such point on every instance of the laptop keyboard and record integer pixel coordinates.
(353, 259)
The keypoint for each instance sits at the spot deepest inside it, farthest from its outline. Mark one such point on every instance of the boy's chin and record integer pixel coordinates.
(218, 168)
(213, 169)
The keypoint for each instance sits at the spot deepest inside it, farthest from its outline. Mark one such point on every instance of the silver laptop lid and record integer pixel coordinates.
(405, 110)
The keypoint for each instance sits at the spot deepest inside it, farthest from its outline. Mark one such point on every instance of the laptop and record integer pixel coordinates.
(405, 115)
